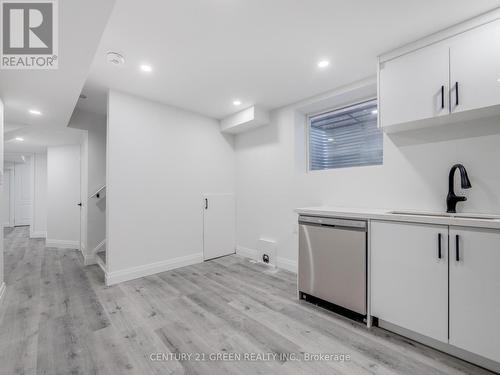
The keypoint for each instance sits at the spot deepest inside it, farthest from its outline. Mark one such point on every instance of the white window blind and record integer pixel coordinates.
(346, 137)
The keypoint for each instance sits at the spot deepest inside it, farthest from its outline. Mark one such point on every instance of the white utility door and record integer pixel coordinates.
(415, 86)
(409, 276)
(219, 229)
(475, 68)
(23, 193)
(475, 290)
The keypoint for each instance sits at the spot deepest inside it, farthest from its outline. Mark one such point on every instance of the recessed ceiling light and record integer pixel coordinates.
(375, 111)
(236, 102)
(323, 63)
(146, 68)
(19, 139)
(35, 112)
(115, 58)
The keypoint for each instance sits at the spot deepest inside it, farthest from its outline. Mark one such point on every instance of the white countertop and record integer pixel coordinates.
(474, 219)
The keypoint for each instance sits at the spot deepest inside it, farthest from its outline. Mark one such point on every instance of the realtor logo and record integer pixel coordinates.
(29, 34)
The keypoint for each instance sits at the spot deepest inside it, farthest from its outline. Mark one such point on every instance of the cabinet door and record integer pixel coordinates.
(475, 291)
(409, 281)
(414, 86)
(475, 67)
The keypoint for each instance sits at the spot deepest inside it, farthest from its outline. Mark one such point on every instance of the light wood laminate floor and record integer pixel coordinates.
(57, 317)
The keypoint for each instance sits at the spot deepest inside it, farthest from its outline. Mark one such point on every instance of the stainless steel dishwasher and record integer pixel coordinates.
(332, 261)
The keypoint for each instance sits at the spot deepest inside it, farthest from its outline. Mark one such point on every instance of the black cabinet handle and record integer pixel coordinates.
(206, 203)
(442, 97)
(456, 93)
(457, 247)
(439, 246)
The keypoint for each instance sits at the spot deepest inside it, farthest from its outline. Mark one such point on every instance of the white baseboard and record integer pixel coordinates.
(116, 277)
(62, 244)
(38, 235)
(99, 246)
(2, 291)
(288, 264)
(247, 252)
(89, 259)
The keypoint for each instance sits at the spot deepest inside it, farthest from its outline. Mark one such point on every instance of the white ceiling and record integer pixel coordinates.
(205, 53)
(55, 92)
(37, 139)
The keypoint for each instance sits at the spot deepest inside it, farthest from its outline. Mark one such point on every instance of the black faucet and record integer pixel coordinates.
(452, 199)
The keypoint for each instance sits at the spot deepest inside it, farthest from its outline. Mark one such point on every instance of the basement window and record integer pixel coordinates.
(346, 137)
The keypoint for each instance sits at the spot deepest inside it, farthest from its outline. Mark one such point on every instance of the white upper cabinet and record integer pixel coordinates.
(414, 86)
(475, 68)
(475, 291)
(409, 276)
(450, 80)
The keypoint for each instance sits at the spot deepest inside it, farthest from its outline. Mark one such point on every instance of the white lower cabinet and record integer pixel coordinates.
(454, 299)
(475, 291)
(409, 278)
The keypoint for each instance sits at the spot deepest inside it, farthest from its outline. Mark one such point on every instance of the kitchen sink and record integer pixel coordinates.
(445, 214)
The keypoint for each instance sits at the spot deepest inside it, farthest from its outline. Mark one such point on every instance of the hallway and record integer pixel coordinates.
(59, 318)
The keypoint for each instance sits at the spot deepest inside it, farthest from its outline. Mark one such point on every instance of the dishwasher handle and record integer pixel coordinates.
(332, 222)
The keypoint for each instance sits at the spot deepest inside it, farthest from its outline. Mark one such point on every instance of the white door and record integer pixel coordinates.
(414, 86)
(63, 192)
(409, 276)
(219, 217)
(23, 193)
(8, 199)
(475, 291)
(475, 68)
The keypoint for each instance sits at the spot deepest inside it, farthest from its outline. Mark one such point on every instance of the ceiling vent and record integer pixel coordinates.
(115, 58)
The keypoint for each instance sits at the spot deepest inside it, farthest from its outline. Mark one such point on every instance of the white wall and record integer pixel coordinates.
(84, 194)
(96, 207)
(93, 177)
(63, 195)
(161, 160)
(38, 228)
(272, 178)
(2, 285)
